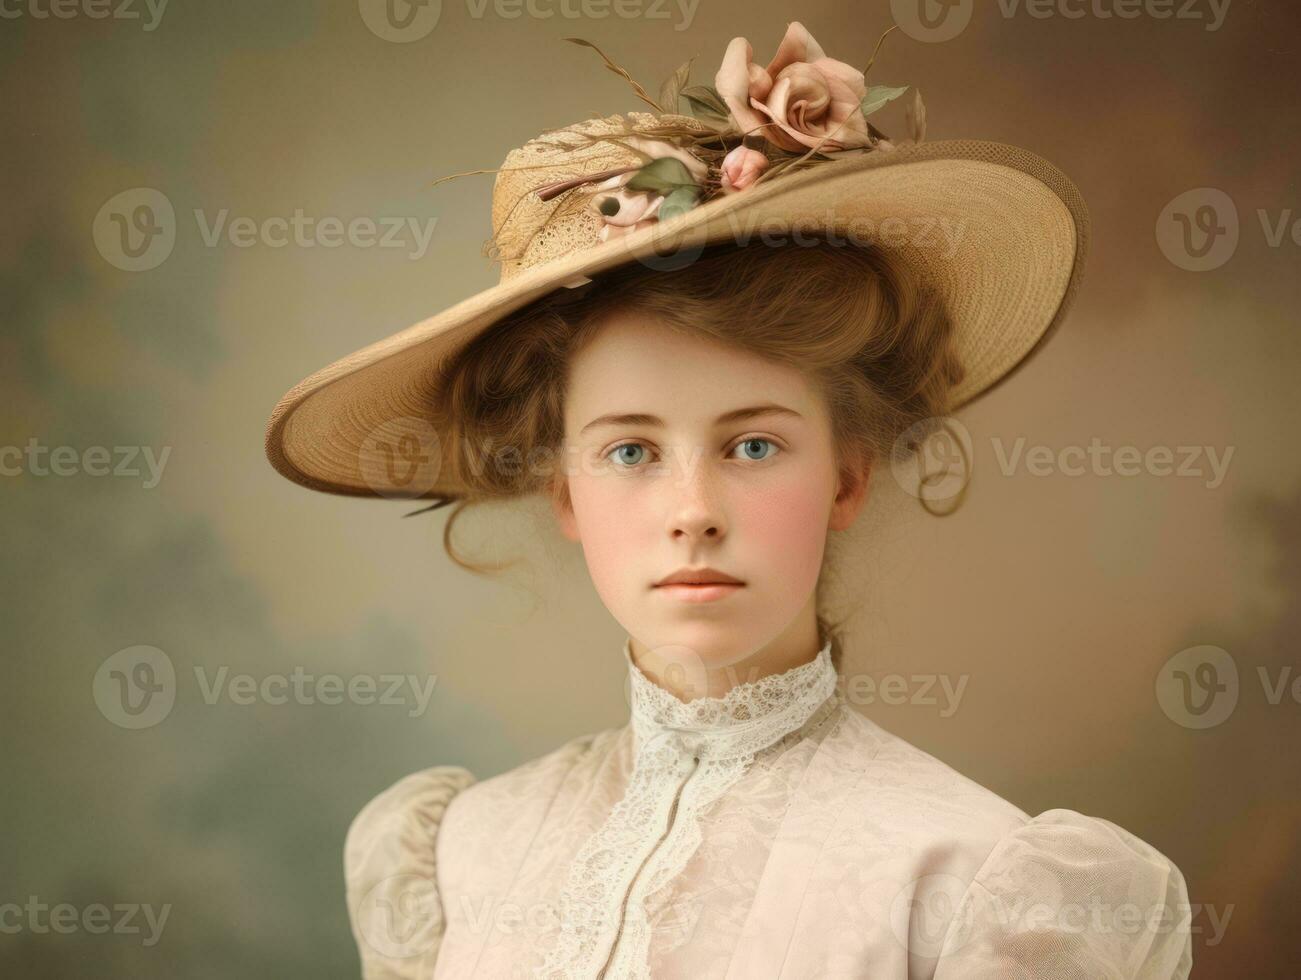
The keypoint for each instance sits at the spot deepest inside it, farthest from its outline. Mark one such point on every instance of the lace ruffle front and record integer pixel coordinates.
(688, 754)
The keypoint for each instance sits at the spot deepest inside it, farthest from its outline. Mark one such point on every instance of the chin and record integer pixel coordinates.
(716, 642)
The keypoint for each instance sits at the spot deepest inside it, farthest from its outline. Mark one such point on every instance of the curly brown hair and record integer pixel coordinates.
(872, 338)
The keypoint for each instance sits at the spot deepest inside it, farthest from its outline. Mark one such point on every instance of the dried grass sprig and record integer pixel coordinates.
(715, 134)
(621, 72)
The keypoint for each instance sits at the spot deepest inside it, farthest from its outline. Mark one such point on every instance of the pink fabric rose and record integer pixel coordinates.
(639, 209)
(741, 168)
(801, 98)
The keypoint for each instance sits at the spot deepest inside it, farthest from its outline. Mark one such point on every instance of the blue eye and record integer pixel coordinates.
(750, 444)
(630, 455)
(621, 456)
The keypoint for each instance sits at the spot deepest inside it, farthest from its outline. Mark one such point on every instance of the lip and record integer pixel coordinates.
(706, 592)
(703, 575)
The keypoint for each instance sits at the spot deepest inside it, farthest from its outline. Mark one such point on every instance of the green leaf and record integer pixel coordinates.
(663, 176)
(679, 202)
(879, 95)
(705, 101)
(672, 87)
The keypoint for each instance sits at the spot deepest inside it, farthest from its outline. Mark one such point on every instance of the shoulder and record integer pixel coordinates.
(389, 861)
(491, 823)
(997, 892)
(915, 800)
(1076, 893)
(534, 783)
(539, 777)
(394, 829)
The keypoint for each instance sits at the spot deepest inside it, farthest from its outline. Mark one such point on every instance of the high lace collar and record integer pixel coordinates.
(745, 720)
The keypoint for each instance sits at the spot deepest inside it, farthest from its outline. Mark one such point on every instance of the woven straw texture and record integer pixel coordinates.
(1001, 234)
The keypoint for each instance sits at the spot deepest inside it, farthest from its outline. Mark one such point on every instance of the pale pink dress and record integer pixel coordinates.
(771, 833)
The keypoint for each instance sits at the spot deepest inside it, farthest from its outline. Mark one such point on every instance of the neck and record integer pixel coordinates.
(688, 674)
(749, 716)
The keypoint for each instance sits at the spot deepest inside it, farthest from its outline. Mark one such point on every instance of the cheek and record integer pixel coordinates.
(778, 526)
(609, 529)
(785, 527)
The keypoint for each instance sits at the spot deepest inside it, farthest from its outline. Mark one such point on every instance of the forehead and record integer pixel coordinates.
(637, 363)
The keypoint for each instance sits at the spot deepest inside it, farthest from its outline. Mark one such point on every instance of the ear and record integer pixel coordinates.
(851, 492)
(562, 506)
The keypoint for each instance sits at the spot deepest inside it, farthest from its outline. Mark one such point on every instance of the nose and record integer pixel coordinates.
(696, 511)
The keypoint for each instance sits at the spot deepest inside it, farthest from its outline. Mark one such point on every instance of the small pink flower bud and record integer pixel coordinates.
(741, 168)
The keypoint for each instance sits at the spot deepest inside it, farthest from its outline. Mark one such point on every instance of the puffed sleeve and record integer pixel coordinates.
(391, 874)
(1071, 897)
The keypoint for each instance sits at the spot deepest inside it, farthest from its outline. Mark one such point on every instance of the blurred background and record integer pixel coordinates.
(1123, 625)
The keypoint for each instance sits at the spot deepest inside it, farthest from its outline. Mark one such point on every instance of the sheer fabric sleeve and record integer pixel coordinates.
(1075, 898)
(391, 874)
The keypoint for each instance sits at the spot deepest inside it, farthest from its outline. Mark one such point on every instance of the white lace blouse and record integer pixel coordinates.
(773, 832)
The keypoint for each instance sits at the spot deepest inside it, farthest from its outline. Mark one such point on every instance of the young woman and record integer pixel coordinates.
(701, 423)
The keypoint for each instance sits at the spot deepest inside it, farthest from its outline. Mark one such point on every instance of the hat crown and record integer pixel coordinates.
(528, 231)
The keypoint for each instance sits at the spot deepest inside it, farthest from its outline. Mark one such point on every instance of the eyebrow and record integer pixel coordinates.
(736, 415)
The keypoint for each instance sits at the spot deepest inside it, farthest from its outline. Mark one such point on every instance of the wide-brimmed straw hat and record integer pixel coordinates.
(999, 233)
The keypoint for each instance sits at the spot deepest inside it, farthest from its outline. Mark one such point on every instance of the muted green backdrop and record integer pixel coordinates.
(139, 511)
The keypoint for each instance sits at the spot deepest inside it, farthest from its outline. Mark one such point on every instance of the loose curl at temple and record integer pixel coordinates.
(867, 333)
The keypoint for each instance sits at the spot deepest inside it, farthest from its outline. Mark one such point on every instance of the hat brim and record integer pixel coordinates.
(998, 231)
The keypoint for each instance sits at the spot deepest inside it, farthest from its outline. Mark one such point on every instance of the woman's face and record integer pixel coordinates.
(683, 453)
